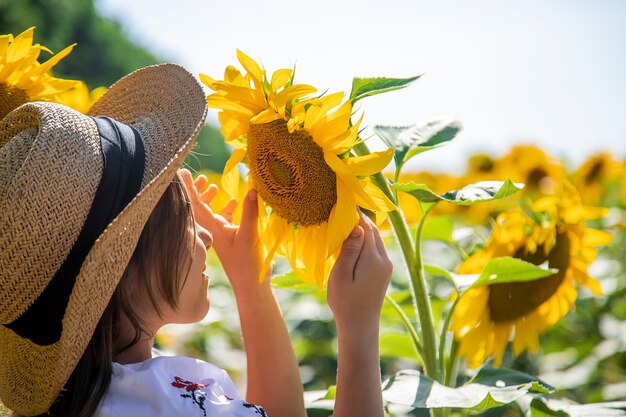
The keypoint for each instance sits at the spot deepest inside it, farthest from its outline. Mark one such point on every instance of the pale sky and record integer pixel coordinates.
(546, 72)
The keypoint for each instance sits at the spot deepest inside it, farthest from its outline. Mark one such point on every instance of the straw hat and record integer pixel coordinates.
(51, 165)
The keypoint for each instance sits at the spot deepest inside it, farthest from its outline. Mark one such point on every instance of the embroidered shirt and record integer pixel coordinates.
(173, 386)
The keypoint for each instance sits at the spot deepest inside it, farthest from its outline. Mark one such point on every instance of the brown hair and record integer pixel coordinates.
(153, 270)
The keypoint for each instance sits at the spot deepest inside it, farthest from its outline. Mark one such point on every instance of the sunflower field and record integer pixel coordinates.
(508, 293)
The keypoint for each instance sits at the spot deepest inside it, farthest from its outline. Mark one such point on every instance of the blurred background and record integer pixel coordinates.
(535, 72)
(548, 74)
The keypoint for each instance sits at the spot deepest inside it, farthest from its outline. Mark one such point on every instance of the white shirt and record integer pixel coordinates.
(173, 386)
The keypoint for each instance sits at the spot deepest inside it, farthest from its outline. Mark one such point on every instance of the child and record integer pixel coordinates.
(102, 242)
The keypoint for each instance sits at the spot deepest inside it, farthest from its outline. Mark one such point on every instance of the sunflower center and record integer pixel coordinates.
(513, 300)
(535, 177)
(594, 173)
(290, 174)
(10, 99)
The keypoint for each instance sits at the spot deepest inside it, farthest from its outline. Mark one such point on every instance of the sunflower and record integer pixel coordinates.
(487, 316)
(22, 77)
(597, 179)
(530, 165)
(80, 98)
(297, 148)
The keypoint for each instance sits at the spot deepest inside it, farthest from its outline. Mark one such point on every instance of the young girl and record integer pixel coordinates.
(102, 242)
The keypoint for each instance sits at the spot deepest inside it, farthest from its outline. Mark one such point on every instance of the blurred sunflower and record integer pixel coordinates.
(297, 150)
(22, 77)
(80, 98)
(597, 178)
(486, 317)
(480, 167)
(531, 166)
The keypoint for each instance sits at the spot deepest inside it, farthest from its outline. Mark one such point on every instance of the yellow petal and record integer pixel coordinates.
(266, 116)
(251, 67)
(344, 141)
(230, 179)
(595, 237)
(289, 93)
(242, 95)
(208, 81)
(275, 229)
(333, 124)
(233, 76)
(501, 338)
(343, 218)
(381, 202)
(321, 255)
(280, 78)
(46, 66)
(371, 164)
(234, 124)
(216, 101)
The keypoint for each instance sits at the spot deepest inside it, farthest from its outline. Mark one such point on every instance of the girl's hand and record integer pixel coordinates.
(359, 279)
(238, 247)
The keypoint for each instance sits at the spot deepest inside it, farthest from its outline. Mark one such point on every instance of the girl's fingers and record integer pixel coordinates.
(228, 212)
(249, 217)
(369, 244)
(203, 212)
(200, 183)
(349, 255)
(208, 196)
(380, 245)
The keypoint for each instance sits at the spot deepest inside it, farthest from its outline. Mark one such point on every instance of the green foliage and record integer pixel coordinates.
(468, 195)
(209, 152)
(508, 269)
(291, 281)
(365, 87)
(547, 407)
(439, 228)
(409, 141)
(491, 387)
(103, 54)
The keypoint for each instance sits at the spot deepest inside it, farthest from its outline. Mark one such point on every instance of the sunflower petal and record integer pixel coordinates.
(266, 116)
(371, 164)
(343, 218)
(230, 178)
(280, 78)
(290, 93)
(253, 69)
(216, 101)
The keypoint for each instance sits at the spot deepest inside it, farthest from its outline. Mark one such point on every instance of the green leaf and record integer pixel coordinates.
(439, 228)
(397, 345)
(547, 407)
(489, 388)
(291, 281)
(507, 269)
(468, 195)
(409, 141)
(364, 87)
(459, 280)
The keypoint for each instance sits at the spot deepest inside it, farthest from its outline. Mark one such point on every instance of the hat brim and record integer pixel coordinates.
(167, 105)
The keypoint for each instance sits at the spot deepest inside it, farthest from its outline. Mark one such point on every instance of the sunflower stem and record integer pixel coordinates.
(423, 301)
(419, 289)
(451, 368)
(442, 339)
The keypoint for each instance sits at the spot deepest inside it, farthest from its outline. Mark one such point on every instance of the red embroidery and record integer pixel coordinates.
(187, 385)
(198, 397)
